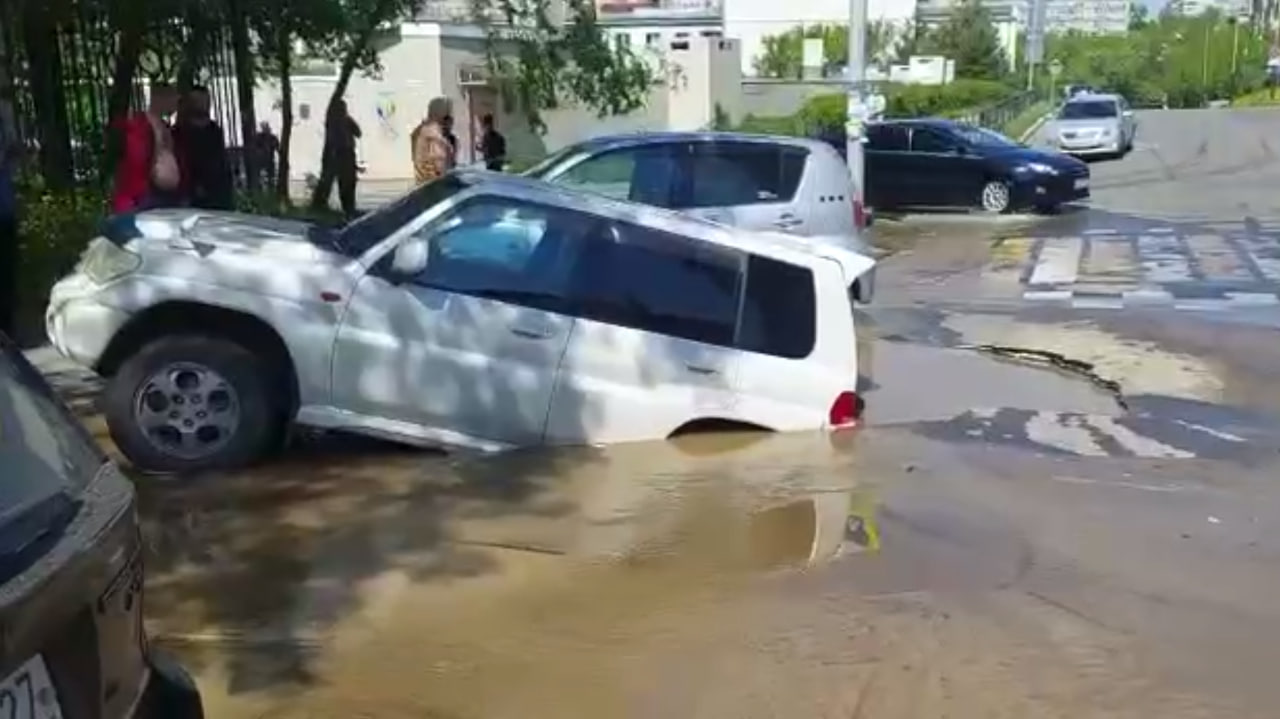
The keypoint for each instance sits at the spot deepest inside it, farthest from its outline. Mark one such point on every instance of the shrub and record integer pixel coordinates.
(955, 98)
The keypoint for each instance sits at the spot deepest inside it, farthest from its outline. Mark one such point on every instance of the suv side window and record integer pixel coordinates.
(728, 173)
(644, 174)
(658, 282)
(925, 139)
(503, 249)
(779, 310)
(887, 138)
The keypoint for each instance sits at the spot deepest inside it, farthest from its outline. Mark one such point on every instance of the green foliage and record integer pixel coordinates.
(1025, 120)
(55, 228)
(1184, 61)
(969, 38)
(540, 63)
(1258, 98)
(828, 111)
(782, 55)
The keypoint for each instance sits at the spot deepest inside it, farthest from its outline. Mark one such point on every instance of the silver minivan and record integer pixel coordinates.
(756, 182)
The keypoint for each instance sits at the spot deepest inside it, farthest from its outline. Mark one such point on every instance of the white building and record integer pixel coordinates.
(1093, 16)
(655, 22)
(1194, 8)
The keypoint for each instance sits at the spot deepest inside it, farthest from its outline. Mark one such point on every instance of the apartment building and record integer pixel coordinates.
(1194, 8)
(1011, 16)
(654, 23)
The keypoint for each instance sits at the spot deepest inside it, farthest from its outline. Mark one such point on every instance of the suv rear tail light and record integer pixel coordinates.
(846, 411)
(859, 214)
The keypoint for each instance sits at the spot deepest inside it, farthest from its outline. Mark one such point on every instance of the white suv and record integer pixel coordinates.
(480, 311)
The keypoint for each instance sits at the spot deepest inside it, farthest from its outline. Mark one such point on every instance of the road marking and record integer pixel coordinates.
(1058, 262)
(1266, 257)
(1253, 299)
(1100, 231)
(1147, 296)
(1163, 260)
(1109, 260)
(1097, 303)
(1047, 295)
(1139, 445)
(1218, 259)
(1119, 483)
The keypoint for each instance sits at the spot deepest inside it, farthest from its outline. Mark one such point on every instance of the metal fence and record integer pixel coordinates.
(61, 74)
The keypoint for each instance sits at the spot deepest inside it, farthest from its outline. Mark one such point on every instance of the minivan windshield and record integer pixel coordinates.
(46, 460)
(1088, 110)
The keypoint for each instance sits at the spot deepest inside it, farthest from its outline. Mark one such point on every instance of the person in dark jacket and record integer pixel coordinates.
(446, 126)
(338, 162)
(202, 153)
(493, 146)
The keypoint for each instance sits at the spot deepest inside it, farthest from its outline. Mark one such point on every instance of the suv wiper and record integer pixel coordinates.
(27, 531)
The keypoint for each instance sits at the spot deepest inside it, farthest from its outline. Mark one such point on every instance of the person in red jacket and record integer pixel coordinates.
(146, 172)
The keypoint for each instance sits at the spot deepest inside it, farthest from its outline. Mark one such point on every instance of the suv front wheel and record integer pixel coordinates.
(189, 403)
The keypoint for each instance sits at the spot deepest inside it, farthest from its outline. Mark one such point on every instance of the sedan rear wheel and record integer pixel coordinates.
(995, 197)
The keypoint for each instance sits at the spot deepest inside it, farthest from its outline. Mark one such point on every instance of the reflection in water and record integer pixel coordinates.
(273, 565)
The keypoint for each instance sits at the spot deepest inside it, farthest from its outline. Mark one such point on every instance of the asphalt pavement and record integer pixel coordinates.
(1057, 507)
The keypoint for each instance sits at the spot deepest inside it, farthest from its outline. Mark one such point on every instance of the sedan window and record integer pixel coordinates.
(1088, 110)
(643, 174)
(925, 139)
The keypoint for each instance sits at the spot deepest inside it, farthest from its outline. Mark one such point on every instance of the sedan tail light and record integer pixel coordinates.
(846, 411)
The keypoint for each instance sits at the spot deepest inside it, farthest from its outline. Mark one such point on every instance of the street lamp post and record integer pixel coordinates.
(855, 104)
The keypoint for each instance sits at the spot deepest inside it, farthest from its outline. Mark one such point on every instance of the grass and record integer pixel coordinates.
(1023, 122)
(1258, 98)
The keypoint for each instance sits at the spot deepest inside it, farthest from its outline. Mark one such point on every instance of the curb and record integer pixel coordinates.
(1035, 127)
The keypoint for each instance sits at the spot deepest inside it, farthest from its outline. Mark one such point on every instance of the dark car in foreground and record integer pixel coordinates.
(72, 643)
(946, 164)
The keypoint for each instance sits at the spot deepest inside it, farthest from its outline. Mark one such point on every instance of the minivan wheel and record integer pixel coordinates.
(171, 692)
(191, 403)
(995, 196)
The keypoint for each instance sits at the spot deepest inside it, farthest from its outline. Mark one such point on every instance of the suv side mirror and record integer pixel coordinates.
(411, 257)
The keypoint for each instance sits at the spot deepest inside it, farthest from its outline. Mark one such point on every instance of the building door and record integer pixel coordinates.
(481, 100)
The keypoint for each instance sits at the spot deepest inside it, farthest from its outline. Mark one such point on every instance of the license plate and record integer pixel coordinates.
(28, 693)
(1082, 183)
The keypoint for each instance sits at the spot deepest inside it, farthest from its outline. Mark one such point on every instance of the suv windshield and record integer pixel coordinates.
(47, 458)
(360, 235)
(1088, 110)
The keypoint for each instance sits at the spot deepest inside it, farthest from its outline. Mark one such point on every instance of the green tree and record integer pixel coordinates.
(1139, 16)
(783, 54)
(969, 38)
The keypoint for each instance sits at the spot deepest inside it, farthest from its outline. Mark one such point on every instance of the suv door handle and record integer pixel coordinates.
(531, 333)
(787, 221)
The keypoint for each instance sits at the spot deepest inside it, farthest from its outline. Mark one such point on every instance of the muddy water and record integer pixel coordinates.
(715, 576)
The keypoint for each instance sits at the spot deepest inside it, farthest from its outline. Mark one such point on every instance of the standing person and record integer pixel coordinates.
(202, 153)
(433, 154)
(147, 174)
(492, 145)
(339, 161)
(446, 127)
(267, 145)
(10, 152)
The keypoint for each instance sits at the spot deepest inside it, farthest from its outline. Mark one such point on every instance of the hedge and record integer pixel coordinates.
(954, 98)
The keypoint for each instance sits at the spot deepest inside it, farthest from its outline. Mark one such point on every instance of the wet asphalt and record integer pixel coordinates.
(1052, 511)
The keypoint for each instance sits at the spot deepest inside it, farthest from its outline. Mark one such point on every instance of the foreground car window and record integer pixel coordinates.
(46, 458)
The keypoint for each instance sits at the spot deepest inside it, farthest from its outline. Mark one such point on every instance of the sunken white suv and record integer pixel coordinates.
(479, 311)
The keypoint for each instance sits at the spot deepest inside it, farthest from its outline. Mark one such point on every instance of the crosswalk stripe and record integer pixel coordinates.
(1109, 261)
(1218, 259)
(1163, 259)
(1058, 262)
(1266, 257)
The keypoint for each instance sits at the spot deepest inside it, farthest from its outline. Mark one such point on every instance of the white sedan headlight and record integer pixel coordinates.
(104, 261)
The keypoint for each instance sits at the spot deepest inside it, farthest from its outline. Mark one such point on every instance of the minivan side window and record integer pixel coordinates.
(644, 174)
(658, 282)
(727, 173)
(779, 310)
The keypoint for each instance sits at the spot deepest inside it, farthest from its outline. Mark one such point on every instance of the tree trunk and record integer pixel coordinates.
(320, 195)
(194, 50)
(285, 60)
(124, 74)
(244, 93)
(48, 96)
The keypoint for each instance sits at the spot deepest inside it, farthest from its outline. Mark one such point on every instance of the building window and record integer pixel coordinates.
(622, 40)
(652, 39)
(711, 33)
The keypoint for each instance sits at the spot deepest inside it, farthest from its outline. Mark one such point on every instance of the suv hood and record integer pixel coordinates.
(206, 232)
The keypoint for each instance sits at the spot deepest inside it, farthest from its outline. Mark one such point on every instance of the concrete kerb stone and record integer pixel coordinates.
(1035, 127)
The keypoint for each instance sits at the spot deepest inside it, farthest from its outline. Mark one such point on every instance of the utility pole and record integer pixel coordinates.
(855, 104)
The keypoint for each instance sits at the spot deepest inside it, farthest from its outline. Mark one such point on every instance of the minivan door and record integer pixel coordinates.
(746, 184)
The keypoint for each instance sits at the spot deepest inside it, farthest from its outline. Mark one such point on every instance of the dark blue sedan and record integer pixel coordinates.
(946, 164)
